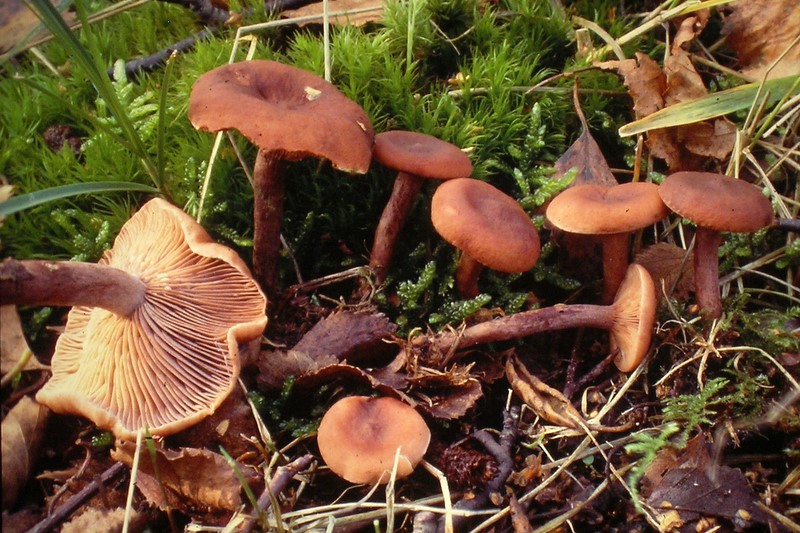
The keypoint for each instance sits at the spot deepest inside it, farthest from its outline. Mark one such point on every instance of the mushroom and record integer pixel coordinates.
(359, 438)
(290, 114)
(416, 157)
(715, 203)
(629, 319)
(153, 340)
(610, 213)
(488, 226)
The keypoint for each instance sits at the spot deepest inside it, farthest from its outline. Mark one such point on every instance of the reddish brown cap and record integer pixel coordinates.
(421, 155)
(597, 210)
(175, 358)
(485, 223)
(283, 109)
(359, 436)
(717, 201)
(635, 306)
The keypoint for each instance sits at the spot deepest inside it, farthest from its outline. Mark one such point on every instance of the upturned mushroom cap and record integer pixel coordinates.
(175, 358)
(283, 109)
(717, 201)
(597, 210)
(485, 223)
(359, 436)
(421, 155)
(635, 307)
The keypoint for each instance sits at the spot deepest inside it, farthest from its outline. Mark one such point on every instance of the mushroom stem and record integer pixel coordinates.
(269, 189)
(405, 190)
(706, 271)
(467, 273)
(527, 323)
(615, 263)
(69, 283)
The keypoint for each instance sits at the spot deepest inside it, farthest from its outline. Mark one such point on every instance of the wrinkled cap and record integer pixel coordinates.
(717, 201)
(283, 109)
(635, 306)
(421, 155)
(175, 358)
(597, 210)
(485, 223)
(359, 437)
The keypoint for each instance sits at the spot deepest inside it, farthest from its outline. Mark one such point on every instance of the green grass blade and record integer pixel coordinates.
(162, 116)
(713, 105)
(19, 203)
(83, 57)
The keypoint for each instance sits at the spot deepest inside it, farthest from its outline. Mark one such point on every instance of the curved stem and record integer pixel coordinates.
(467, 274)
(706, 271)
(526, 323)
(405, 190)
(615, 264)
(268, 193)
(68, 283)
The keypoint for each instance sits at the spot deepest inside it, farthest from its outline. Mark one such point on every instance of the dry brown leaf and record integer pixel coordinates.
(669, 267)
(191, 476)
(22, 431)
(759, 31)
(545, 401)
(13, 345)
(17, 21)
(356, 19)
(452, 402)
(355, 337)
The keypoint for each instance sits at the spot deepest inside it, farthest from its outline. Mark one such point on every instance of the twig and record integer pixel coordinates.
(283, 475)
(78, 499)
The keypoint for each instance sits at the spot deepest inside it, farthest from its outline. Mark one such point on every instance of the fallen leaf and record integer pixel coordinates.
(670, 267)
(687, 487)
(334, 6)
(13, 345)
(22, 431)
(17, 21)
(760, 31)
(354, 337)
(545, 401)
(191, 476)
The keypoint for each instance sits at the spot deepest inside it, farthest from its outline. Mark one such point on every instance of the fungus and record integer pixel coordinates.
(488, 226)
(715, 203)
(153, 340)
(416, 157)
(610, 213)
(359, 438)
(290, 114)
(629, 319)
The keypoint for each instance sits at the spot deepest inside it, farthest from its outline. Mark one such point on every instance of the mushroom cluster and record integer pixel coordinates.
(153, 340)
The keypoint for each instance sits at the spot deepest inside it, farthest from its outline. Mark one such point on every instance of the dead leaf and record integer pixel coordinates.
(191, 476)
(669, 267)
(17, 21)
(13, 345)
(545, 401)
(276, 366)
(354, 19)
(759, 31)
(22, 431)
(686, 487)
(585, 154)
(452, 402)
(355, 337)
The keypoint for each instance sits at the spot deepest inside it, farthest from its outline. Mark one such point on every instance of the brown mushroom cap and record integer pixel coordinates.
(175, 358)
(359, 436)
(635, 307)
(597, 210)
(283, 109)
(717, 201)
(421, 155)
(485, 223)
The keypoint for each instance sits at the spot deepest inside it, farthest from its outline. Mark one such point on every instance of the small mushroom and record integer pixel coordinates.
(488, 226)
(715, 203)
(611, 213)
(290, 114)
(629, 319)
(153, 340)
(359, 438)
(416, 157)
